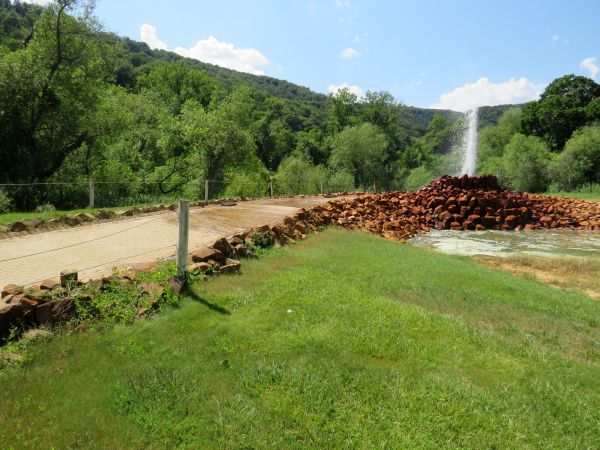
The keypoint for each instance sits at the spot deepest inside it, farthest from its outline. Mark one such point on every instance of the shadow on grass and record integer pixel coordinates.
(195, 297)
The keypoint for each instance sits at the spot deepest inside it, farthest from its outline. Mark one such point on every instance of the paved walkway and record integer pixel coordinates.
(94, 250)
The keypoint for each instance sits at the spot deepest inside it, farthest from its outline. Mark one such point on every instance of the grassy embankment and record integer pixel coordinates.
(345, 340)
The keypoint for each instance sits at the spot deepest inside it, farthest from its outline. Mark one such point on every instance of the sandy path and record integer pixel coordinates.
(95, 249)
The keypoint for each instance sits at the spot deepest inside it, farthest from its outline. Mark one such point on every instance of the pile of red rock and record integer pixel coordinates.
(467, 203)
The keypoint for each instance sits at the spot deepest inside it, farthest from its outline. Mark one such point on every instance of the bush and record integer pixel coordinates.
(579, 162)
(5, 202)
(46, 207)
(419, 177)
(525, 164)
(340, 181)
(291, 177)
(246, 184)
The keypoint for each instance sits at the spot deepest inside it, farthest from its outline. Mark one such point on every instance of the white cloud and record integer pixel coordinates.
(225, 54)
(556, 38)
(342, 3)
(484, 92)
(213, 51)
(333, 88)
(149, 36)
(591, 65)
(349, 53)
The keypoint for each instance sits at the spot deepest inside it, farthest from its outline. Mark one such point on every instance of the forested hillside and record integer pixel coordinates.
(79, 103)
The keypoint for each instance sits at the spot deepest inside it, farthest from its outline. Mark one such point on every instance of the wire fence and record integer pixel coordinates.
(121, 241)
(76, 195)
(104, 251)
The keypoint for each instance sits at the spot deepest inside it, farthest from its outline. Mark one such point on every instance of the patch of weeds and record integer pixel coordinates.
(122, 300)
(260, 240)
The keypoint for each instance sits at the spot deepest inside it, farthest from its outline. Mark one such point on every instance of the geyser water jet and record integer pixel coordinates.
(469, 165)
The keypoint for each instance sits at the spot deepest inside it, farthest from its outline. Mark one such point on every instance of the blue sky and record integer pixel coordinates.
(426, 53)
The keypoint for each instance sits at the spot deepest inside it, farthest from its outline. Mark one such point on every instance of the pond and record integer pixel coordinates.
(547, 243)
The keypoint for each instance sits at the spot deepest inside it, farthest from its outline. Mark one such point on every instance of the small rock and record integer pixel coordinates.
(231, 266)
(68, 277)
(48, 285)
(11, 289)
(51, 314)
(177, 284)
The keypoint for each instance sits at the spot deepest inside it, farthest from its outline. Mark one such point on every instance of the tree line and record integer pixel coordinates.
(78, 103)
(549, 144)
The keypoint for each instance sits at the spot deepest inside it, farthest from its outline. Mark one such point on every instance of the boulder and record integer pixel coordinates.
(104, 214)
(53, 313)
(72, 220)
(10, 315)
(202, 267)
(17, 227)
(49, 285)
(223, 246)
(154, 291)
(207, 253)
(33, 223)
(231, 266)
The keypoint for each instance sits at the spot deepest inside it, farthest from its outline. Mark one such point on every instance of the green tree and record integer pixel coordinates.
(49, 91)
(313, 145)
(525, 164)
(176, 82)
(493, 140)
(361, 151)
(291, 177)
(560, 110)
(579, 163)
(341, 111)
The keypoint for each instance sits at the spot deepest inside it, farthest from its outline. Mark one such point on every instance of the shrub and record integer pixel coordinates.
(579, 163)
(525, 164)
(46, 207)
(5, 202)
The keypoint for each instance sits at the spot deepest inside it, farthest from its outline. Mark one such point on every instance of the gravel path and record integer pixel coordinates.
(96, 249)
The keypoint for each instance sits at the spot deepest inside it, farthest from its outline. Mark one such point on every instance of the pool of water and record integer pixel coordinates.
(548, 243)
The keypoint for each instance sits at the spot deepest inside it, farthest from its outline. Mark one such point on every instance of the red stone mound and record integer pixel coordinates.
(467, 203)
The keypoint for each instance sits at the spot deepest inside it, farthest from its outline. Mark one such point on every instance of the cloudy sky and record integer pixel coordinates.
(443, 54)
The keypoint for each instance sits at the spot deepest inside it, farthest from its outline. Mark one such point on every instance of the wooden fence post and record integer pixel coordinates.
(182, 242)
(92, 194)
(206, 186)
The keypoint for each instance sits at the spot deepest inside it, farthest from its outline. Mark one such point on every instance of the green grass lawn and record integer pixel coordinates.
(345, 340)
(589, 196)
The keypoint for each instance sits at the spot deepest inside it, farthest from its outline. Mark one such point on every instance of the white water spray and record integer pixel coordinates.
(470, 155)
